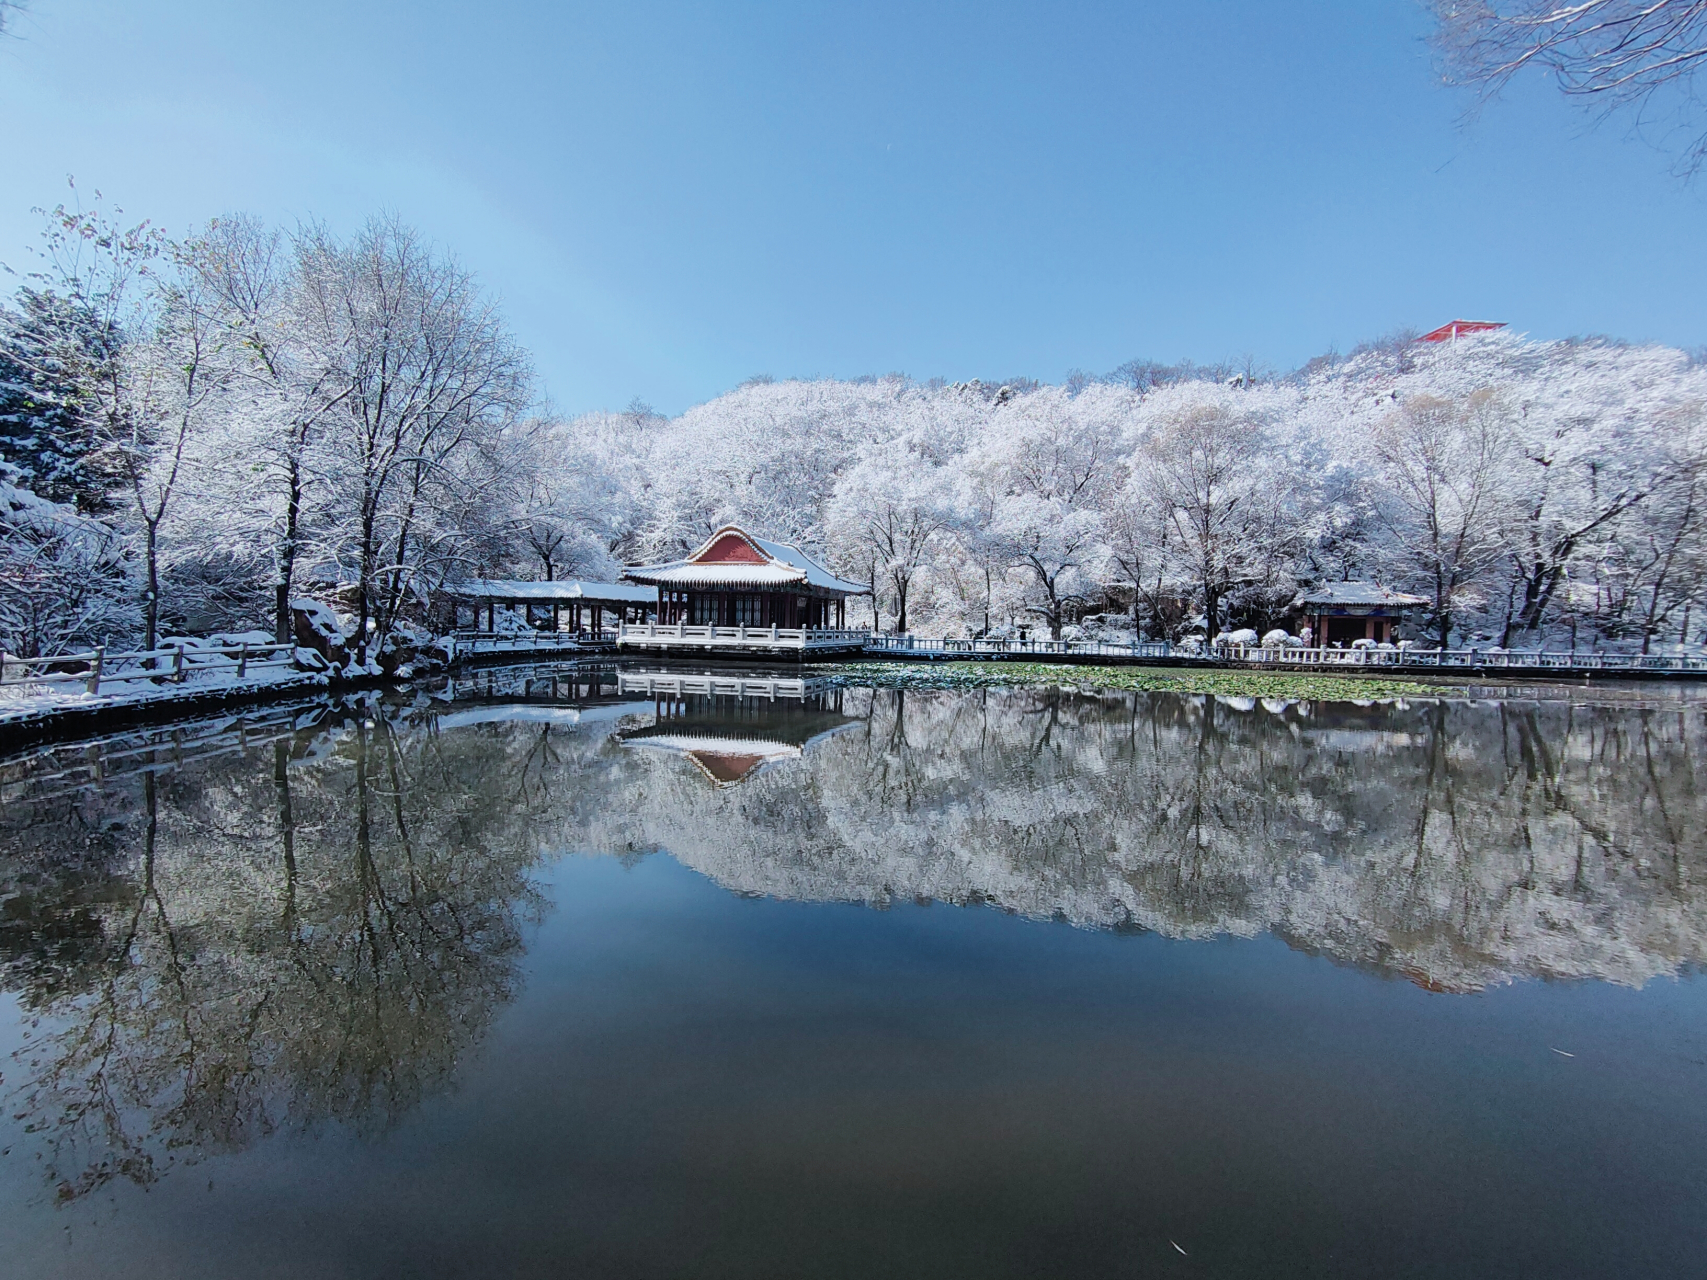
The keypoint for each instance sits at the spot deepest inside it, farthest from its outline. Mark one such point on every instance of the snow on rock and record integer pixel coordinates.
(229, 638)
(318, 628)
(310, 659)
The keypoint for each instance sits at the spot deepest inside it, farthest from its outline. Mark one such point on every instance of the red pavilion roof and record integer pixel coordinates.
(1457, 328)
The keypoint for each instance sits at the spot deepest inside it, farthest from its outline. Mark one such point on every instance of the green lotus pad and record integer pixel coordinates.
(1230, 684)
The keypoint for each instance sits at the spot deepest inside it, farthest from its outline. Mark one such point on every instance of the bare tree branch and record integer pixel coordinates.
(1616, 54)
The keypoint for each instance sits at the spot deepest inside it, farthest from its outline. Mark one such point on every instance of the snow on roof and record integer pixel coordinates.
(1356, 593)
(561, 589)
(534, 713)
(726, 757)
(732, 557)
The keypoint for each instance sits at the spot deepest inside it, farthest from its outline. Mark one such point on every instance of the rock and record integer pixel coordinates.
(317, 628)
(309, 659)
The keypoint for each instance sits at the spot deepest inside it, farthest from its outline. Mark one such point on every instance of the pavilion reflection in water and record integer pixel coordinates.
(730, 727)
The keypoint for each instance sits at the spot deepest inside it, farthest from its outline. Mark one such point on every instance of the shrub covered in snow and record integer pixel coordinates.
(65, 579)
(508, 623)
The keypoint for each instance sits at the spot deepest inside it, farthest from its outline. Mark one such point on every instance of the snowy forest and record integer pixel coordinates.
(195, 430)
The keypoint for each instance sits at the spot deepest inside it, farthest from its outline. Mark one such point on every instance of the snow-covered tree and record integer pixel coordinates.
(1050, 465)
(889, 514)
(1443, 469)
(149, 386)
(429, 377)
(262, 489)
(1215, 475)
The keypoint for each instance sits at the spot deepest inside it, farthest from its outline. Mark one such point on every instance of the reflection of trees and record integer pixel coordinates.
(292, 944)
(1456, 843)
(319, 930)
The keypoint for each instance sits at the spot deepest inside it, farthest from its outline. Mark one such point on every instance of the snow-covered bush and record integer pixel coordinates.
(509, 623)
(65, 579)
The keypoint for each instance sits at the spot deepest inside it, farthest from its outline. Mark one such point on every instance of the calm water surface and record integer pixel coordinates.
(545, 976)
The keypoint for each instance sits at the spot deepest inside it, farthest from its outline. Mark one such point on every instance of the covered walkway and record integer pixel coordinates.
(570, 604)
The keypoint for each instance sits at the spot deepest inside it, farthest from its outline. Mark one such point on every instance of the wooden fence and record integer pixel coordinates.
(175, 665)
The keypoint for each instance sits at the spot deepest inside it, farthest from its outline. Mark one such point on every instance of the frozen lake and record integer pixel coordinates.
(568, 977)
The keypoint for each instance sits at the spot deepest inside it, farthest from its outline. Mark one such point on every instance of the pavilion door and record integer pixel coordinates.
(1345, 630)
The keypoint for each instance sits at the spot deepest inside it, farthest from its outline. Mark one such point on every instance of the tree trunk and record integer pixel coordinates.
(363, 587)
(151, 609)
(287, 557)
(287, 829)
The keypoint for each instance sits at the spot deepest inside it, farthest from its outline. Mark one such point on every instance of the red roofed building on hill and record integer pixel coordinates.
(1458, 328)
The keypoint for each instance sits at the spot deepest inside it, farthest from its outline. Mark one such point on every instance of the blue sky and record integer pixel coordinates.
(671, 198)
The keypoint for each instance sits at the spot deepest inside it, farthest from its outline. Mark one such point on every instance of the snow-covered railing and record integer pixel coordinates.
(656, 685)
(1474, 659)
(57, 771)
(520, 642)
(671, 634)
(1042, 648)
(176, 664)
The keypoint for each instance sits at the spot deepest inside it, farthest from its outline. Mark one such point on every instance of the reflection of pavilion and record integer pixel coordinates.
(728, 732)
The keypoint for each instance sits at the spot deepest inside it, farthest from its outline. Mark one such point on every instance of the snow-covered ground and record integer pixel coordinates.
(33, 699)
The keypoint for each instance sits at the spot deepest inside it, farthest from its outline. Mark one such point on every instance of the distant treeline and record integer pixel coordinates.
(193, 431)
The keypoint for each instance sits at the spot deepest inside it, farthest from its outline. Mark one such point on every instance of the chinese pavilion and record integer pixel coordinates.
(737, 580)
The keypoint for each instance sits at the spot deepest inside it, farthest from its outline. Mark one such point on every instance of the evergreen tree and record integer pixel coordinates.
(43, 433)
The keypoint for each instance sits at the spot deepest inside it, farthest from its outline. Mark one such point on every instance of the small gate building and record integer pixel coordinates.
(1340, 612)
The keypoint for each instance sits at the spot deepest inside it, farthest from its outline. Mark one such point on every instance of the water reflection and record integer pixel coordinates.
(1454, 843)
(729, 728)
(311, 915)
